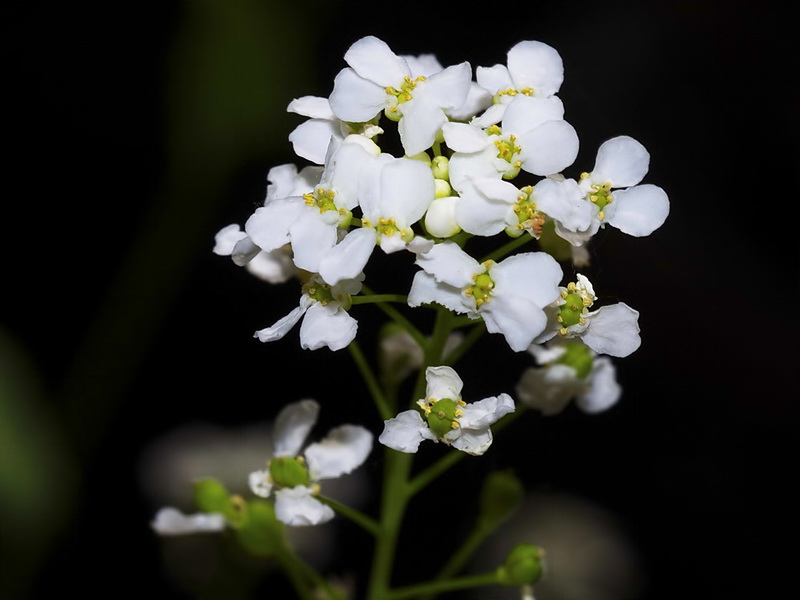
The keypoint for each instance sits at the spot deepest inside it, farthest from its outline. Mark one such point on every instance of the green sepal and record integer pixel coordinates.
(500, 497)
(260, 533)
(523, 566)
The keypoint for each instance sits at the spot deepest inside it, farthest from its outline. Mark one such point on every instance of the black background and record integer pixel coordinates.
(135, 132)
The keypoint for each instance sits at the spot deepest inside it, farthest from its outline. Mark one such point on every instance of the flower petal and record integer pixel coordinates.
(405, 432)
(462, 137)
(536, 65)
(516, 317)
(622, 161)
(347, 259)
(260, 483)
(613, 330)
(548, 389)
(314, 107)
(171, 521)
(292, 426)
(448, 88)
(549, 148)
(481, 414)
(310, 139)
(449, 264)
(269, 225)
(421, 122)
(329, 326)
(564, 202)
(425, 289)
(356, 99)
(372, 59)
(312, 238)
(532, 275)
(525, 113)
(639, 210)
(344, 449)
(443, 382)
(284, 325)
(297, 507)
(604, 390)
(494, 79)
(473, 442)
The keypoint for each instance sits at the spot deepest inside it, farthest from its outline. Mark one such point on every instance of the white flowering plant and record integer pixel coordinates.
(479, 162)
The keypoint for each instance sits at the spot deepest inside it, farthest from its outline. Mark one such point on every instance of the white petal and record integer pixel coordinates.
(532, 275)
(550, 148)
(473, 442)
(260, 483)
(226, 238)
(423, 65)
(613, 330)
(517, 318)
(494, 79)
(329, 326)
(274, 267)
(481, 414)
(347, 259)
(314, 107)
(478, 100)
(443, 382)
(171, 521)
(244, 251)
(548, 389)
(462, 137)
(525, 113)
(485, 214)
(356, 99)
(472, 165)
(297, 507)
(536, 65)
(449, 264)
(312, 238)
(372, 59)
(405, 432)
(491, 116)
(292, 426)
(425, 289)
(622, 161)
(447, 89)
(639, 210)
(343, 170)
(284, 325)
(564, 202)
(269, 225)
(281, 181)
(604, 390)
(406, 190)
(344, 449)
(421, 122)
(310, 139)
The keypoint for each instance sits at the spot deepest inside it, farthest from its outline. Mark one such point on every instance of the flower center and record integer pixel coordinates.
(599, 195)
(576, 304)
(510, 93)
(483, 285)
(388, 227)
(404, 93)
(442, 415)
(527, 215)
(507, 150)
(287, 471)
(323, 199)
(319, 291)
(579, 357)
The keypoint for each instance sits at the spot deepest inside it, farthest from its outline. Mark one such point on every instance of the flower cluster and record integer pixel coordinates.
(480, 155)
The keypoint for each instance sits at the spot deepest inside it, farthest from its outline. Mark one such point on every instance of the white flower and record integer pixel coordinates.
(326, 321)
(293, 479)
(489, 206)
(568, 370)
(612, 330)
(311, 222)
(275, 266)
(394, 193)
(311, 138)
(448, 418)
(580, 209)
(379, 80)
(171, 521)
(509, 295)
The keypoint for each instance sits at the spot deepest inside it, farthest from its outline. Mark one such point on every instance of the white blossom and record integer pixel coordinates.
(568, 371)
(294, 479)
(378, 80)
(323, 309)
(171, 521)
(509, 295)
(447, 418)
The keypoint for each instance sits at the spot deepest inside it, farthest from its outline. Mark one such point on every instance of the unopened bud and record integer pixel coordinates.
(523, 566)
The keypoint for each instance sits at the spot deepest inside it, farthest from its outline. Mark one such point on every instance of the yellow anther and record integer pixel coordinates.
(407, 79)
(493, 130)
(609, 199)
(315, 489)
(301, 459)
(468, 291)
(587, 302)
(564, 294)
(571, 286)
(582, 321)
(526, 91)
(563, 331)
(593, 197)
(601, 215)
(460, 402)
(453, 425)
(459, 413)
(560, 319)
(585, 175)
(393, 109)
(518, 164)
(390, 90)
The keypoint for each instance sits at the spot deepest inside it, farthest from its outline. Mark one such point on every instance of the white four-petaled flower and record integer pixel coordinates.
(293, 479)
(447, 418)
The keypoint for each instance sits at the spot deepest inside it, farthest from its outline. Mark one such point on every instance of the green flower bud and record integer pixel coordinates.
(500, 497)
(440, 165)
(287, 471)
(261, 533)
(523, 566)
(210, 496)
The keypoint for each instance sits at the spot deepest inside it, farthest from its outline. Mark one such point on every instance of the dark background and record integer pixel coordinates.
(135, 132)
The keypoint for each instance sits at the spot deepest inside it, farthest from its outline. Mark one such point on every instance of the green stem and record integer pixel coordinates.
(359, 518)
(375, 298)
(449, 585)
(436, 469)
(297, 575)
(398, 318)
(319, 580)
(508, 248)
(371, 381)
